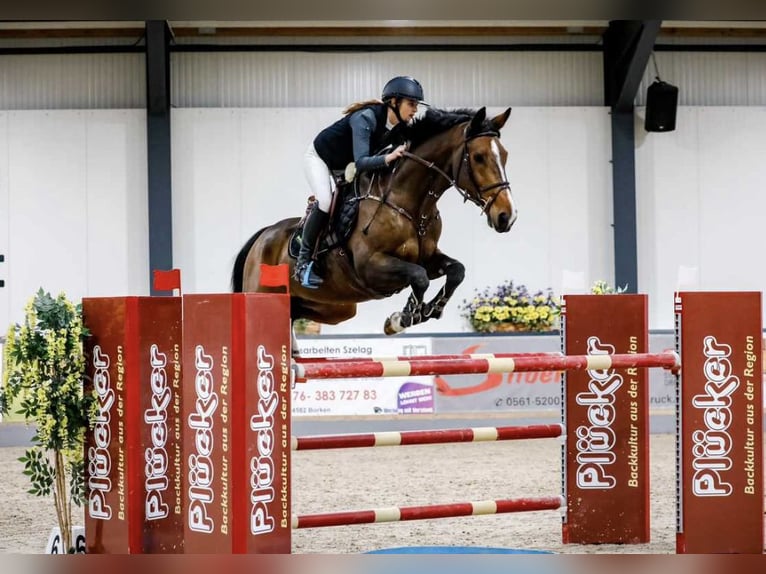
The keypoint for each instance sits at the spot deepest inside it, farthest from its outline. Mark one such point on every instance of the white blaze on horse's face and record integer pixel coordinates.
(505, 198)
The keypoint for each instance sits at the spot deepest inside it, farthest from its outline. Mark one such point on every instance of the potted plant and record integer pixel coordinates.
(511, 307)
(306, 327)
(43, 370)
(601, 287)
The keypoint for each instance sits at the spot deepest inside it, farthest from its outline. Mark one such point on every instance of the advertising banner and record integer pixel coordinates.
(265, 395)
(134, 451)
(538, 392)
(237, 423)
(363, 396)
(207, 432)
(106, 446)
(157, 461)
(498, 392)
(720, 454)
(607, 422)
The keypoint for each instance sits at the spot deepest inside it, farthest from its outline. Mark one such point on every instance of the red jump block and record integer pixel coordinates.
(720, 419)
(606, 413)
(133, 454)
(236, 423)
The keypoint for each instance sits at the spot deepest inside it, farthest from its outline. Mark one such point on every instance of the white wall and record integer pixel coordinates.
(94, 81)
(701, 194)
(237, 170)
(5, 216)
(73, 202)
(253, 79)
(234, 171)
(73, 205)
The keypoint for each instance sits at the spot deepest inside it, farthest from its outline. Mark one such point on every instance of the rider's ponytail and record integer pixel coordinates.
(351, 108)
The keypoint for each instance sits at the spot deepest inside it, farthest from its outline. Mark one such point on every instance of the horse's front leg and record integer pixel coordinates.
(438, 265)
(388, 273)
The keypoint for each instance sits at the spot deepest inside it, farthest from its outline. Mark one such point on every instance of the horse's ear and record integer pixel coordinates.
(499, 120)
(477, 121)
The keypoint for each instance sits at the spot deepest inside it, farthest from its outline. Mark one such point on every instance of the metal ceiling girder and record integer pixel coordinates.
(627, 47)
(160, 191)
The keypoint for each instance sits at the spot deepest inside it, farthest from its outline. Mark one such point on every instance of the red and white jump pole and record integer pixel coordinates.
(467, 365)
(437, 436)
(300, 360)
(402, 513)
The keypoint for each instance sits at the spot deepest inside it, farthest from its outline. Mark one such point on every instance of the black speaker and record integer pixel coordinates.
(661, 104)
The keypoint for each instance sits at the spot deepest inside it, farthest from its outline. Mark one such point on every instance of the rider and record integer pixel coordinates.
(365, 128)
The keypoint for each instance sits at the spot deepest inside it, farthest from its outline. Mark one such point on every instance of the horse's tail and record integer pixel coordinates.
(238, 273)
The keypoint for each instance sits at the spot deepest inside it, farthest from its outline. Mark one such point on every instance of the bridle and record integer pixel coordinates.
(424, 220)
(482, 203)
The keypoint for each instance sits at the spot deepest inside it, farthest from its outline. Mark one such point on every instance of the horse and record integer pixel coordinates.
(394, 242)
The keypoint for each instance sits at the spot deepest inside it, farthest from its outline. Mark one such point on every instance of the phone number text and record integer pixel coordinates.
(340, 395)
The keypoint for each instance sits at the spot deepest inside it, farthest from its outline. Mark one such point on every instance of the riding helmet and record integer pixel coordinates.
(403, 87)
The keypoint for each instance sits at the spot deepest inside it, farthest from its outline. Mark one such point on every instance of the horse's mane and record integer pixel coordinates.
(436, 121)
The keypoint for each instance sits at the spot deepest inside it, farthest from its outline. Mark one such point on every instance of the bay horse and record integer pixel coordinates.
(394, 243)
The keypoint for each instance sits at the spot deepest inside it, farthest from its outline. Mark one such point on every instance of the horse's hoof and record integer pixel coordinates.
(393, 324)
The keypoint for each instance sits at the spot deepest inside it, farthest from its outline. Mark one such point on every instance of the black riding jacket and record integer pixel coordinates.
(357, 137)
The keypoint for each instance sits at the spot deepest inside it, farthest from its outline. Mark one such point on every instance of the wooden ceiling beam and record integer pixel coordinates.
(706, 32)
(393, 31)
(43, 33)
(683, 32)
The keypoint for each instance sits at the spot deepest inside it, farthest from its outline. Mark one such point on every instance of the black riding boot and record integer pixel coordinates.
(304, 267)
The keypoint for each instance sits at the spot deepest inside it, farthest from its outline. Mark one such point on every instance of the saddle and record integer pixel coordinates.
(344, 210)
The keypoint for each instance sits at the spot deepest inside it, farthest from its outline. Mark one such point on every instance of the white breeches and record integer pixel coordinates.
(319, 177)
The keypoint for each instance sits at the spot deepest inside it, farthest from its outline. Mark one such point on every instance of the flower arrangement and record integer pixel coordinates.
(601, 287)
(44, 366)
(510, 307)
(306, 327)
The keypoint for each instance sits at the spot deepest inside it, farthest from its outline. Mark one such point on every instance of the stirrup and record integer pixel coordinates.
(298, 271)
(309, 279)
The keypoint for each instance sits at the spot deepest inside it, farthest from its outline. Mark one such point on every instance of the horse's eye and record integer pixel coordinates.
(478, 158)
